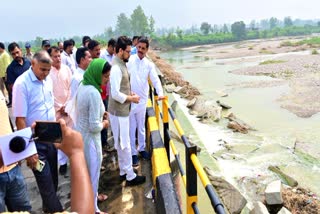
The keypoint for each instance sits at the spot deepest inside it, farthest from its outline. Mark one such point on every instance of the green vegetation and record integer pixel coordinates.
(138, 23)
(314, 52)
(265, 51)
(267, 62)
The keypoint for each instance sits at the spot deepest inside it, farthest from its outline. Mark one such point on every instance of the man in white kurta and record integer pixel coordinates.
(141, 70)
(119, 107)
(61, 79)
(67, 56)
(83, 58)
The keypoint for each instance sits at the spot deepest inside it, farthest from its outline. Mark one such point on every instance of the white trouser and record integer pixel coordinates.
(137, 122)
(94, 171)
(120, 130)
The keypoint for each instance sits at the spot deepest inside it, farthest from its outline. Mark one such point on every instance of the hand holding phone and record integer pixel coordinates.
(40, 165)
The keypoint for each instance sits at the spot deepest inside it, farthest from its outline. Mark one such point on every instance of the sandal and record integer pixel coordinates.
(102, 197)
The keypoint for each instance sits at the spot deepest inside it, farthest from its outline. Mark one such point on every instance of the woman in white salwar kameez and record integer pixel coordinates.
(90, 113)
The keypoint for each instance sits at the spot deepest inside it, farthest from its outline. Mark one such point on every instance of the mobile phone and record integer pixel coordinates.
(40, 165)
(47, 132)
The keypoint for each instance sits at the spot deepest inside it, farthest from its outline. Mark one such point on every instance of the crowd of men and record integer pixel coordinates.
(39, 86)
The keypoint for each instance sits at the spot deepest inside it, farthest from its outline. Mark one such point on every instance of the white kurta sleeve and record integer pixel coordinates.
(155, 79)
(95, 120)
(115, 81)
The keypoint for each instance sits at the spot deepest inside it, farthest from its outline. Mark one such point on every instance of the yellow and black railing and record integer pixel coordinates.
(161, 159)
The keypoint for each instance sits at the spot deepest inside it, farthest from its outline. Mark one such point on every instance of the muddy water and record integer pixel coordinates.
(245, 163)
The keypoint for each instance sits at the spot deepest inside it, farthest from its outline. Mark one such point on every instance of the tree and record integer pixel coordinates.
(151, 24)
(108, 32)
(225, 29)
(123, 26)
(273, 22)
(264, 24)
(238, 30)
(139, 22)
(179, 32)
(205, 28)
(287, 21)
(253, 24)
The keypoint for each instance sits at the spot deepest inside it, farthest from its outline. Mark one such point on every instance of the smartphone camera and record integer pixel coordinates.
(47, 132)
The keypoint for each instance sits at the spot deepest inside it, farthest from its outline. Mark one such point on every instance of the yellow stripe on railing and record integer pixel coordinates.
(203, 176)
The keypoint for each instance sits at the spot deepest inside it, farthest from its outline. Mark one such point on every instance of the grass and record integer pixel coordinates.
(314, 52)
(267, 62)
(265, 51)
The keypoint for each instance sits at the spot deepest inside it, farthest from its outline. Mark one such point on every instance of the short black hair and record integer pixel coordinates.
(66, 44)
(135, 37)
(144, 40)
(92, 44)
(81, 53)
(85, 39)
(112, 42)
(106, 68)
(12, 46)
(123, 42)
(2, 46)
(53, 48)
(73, 42)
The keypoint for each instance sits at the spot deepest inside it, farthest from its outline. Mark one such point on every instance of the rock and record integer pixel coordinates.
(169, 88)
(248, 208)
(284, 211)
(286, 178)
(259, 208)
(237, 127)
(192, 112)
(232, 117)
(273, 193)
(181, 90)
(192, 102)
(204, 115)
(221, 93)
(223, 105)
(233, 200)
(174, 105)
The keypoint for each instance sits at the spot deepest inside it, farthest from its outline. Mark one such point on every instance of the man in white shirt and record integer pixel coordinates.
(67, 57)
(141, 70)
(83, 58)
(109, 53)
(61, 79)
(33, 100)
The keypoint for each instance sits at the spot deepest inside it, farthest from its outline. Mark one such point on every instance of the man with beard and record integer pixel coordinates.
(141, 70)
(120, 99)
(61, 79)
(67, 57)
(94, 49)
(17, 67)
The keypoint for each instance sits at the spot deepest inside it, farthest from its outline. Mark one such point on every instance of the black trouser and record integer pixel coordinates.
(104, 132)
(47, 179)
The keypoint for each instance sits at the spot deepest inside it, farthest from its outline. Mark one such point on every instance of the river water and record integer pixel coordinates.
(246, 163)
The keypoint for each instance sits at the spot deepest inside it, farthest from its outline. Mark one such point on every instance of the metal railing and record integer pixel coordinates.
(192, 163)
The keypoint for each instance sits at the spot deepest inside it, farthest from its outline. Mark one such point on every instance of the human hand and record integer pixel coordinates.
(105, 115)
(161, 98)
(71, 143)
(135, 98)
(105, 124)
(32, 161)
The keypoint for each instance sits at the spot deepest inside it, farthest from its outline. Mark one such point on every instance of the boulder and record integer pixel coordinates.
(273, 193)
(248, 208)
(237, 127)
(223, 105)
(259, 208)
(192, 102)
(286, 178)
(284, 211)
(169, 88)
(233, 200)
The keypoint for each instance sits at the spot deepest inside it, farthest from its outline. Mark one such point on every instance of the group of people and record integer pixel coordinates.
(90, 92)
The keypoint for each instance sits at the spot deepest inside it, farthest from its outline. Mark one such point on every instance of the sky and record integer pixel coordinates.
(22, 20)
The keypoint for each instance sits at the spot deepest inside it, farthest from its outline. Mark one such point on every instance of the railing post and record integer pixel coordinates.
(165, 119)
(192, 185)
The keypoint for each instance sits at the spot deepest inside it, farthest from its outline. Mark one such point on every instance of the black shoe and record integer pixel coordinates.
(135, 161)
(123, 177)
(63, 169)
(145, 155)
(9, 105)
(139, 179)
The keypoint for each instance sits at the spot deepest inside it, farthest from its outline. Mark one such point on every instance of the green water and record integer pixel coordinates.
(277, 128)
